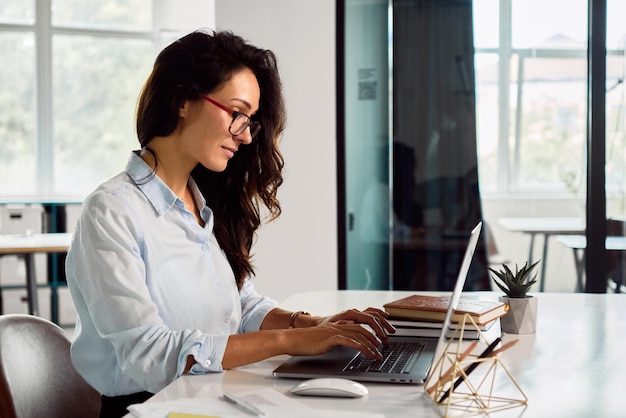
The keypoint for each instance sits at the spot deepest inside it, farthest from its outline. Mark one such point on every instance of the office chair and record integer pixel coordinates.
(37, 378)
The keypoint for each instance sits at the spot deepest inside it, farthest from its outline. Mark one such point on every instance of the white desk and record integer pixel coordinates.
(27, 246)
(578, 244)
(546, 227)
(572, 367)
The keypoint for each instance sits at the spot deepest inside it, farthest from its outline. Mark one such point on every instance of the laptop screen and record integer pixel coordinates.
(458, 288)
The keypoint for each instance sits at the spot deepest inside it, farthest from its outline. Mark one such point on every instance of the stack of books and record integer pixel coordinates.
(423, 316)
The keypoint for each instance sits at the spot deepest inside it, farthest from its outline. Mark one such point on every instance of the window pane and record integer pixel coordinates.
(615, 29)
(538, 21)
(487, 109)
(96, 85)
(615, 144)
(552, 119)
(131, 15)
(615, 113)
(17, 114)
(486, 23)
(17, 11)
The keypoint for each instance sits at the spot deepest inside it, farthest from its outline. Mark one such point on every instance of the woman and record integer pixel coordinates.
(160, 266)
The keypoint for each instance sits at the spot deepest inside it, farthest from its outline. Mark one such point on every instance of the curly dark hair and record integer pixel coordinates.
(196, 65)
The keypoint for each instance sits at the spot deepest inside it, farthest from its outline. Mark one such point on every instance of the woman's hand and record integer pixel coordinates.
(312, 335)
(375, 318)
(319, 339)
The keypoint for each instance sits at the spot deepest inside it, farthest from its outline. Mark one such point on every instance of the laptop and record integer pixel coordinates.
(410, 364)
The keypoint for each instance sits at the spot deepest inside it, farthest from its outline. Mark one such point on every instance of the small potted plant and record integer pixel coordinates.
(522, 315)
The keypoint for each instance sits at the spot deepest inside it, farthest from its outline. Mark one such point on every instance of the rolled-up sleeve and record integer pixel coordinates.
(208, 352)
(254, 307)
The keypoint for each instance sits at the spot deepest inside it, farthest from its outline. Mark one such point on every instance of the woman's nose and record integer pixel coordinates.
(245, 137)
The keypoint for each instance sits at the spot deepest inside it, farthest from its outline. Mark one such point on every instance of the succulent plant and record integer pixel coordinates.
(515, 285)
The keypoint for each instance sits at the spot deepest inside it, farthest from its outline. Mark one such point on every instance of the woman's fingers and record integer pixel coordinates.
(368, 350)
(381, 317)
(375, 318)
(317, 340)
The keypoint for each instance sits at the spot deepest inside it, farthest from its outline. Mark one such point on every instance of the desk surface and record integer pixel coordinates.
(579, 242)
(543, 225)
(572, 367)
(35, 243)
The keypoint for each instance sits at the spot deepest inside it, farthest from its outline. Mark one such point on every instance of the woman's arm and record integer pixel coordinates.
(311, 335)
(375, 318)
(243, 349)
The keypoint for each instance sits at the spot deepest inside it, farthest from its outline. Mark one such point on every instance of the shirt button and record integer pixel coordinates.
(207, 364)
(205, 247)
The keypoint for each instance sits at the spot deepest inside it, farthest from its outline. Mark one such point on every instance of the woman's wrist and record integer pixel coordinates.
(295, 320)
(302, 319)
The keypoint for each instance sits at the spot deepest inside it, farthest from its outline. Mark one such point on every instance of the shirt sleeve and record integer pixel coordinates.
(254, 307)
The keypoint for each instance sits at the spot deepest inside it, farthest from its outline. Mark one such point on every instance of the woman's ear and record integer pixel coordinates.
(184, 108)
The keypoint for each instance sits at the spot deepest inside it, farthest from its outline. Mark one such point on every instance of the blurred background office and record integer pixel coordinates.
(487, 103)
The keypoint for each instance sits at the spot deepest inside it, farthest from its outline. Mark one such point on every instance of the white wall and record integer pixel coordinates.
(175, 15)
(174, 18)
(298, 252)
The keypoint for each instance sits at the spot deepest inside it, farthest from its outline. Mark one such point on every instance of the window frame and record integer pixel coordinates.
(508, 160)
(162, 31)
(44, 33)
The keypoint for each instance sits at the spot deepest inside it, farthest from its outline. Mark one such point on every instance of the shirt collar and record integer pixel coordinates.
(160, 196)
(156, 191)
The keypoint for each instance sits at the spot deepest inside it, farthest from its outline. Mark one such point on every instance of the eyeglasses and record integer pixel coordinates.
(240, 121)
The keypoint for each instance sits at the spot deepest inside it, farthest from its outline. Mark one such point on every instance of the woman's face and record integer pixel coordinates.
(204, 125)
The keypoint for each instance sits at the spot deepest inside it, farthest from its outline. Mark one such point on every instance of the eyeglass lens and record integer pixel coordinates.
(241, 122)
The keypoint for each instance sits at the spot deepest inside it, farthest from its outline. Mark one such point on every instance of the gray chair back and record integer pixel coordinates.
(37, 378)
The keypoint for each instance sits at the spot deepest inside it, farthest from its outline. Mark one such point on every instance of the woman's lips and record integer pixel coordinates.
(230, 152)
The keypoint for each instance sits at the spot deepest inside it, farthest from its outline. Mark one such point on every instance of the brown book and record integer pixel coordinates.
(434, 308)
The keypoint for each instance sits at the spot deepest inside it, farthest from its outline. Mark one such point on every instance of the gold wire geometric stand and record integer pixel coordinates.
(477, 394)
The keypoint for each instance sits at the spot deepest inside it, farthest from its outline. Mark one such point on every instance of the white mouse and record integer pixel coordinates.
(330, 386)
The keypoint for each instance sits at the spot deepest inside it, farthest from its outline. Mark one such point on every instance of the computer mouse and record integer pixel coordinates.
(330, 386)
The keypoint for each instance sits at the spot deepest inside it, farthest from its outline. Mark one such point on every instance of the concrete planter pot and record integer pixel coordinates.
(522, 315)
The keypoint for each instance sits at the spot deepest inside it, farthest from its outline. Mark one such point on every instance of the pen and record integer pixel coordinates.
(488, 351)
(247, 406)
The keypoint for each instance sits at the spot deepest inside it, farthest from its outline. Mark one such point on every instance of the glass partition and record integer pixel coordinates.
(489, 80)
(367, 105)
(411, 177)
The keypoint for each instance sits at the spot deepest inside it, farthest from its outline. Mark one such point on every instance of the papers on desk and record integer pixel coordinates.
(271, 402)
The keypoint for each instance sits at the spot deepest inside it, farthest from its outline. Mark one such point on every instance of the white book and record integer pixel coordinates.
(490, 331)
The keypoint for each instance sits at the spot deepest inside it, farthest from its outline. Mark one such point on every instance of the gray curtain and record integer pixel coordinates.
(436, 198)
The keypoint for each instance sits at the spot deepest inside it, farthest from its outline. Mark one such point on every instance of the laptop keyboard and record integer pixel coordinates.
(398, 357)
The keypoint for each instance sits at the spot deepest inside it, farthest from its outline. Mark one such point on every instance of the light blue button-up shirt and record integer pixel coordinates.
(151, 287)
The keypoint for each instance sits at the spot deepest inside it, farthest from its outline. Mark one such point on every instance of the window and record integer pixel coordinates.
(532, 95)
(76, 68)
